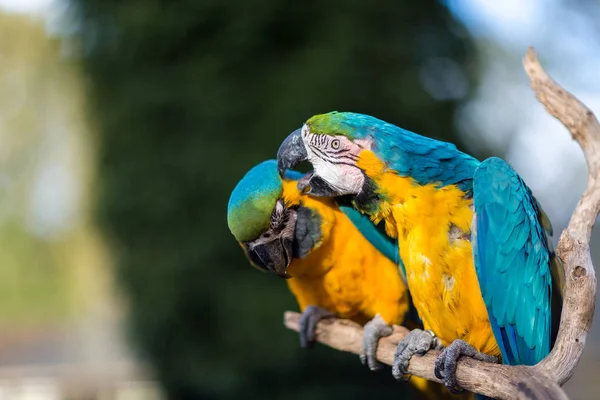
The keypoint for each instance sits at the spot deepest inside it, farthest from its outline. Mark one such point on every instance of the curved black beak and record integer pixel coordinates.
(291, 152)
(274, 256)
(316, 186)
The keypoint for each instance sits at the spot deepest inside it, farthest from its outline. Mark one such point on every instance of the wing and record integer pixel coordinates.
(514, 259)
(386, 245)
(375, 234)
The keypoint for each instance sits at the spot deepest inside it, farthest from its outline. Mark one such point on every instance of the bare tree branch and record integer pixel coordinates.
(573, 246)
(543, 380)
(493, 380)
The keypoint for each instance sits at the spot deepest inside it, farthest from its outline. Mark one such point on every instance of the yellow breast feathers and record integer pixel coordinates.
(433, 227)
(344, 273)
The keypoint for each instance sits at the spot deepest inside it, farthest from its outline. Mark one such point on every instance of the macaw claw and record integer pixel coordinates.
(308, 324)
(374, 330)
(416, 342)
(445, 364)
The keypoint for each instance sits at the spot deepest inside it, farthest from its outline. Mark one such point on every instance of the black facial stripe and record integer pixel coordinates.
(349, 155)
(340, 158)
(333, 151)
(275, 217)
(344, 158)
(320, 140)
(343, 153)
(319, 152)
(333, 159)
(279, 217)
(322, 155)
(343, 163)
(324, 158)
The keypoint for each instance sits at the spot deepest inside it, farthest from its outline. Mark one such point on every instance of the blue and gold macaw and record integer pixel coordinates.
(474, 241)
(333, 269)
(329, 254)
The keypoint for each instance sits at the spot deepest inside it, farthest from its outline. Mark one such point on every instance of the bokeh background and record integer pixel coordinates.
(124, 125)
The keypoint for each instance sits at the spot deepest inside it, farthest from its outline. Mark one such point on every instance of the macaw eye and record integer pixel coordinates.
(335, 144)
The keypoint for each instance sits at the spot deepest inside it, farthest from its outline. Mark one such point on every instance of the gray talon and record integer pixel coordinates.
(445, 364)
(374, 330)
(416, 342)
(308, 324)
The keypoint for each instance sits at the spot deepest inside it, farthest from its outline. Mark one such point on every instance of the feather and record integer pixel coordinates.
(512, 254)
(375, 234)
(424, 159)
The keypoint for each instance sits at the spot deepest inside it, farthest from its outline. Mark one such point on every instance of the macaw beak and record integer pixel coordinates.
(274, 256)
(316, 186)
(291, 152)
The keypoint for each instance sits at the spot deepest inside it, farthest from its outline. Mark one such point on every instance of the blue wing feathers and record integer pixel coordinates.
(511, 302)
(386, 245)
(509, 337)
(512, 255)
(424, 159)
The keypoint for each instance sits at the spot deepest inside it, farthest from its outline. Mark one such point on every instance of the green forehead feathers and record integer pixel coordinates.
(253, 200)
(338, 123)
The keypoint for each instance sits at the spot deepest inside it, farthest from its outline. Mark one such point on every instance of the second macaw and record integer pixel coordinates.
(474, 241)
(332, 268)
(329, 254)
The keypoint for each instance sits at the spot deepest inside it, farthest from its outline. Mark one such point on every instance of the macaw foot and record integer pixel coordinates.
(445, 364)
(374, 330)
(308, 324)
(416, 342)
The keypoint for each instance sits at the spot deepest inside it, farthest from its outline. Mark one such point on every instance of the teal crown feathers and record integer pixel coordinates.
(253, 200)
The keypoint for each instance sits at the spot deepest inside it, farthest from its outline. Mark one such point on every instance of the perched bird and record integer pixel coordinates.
(329, 254)
(474, 241)
(332, 269)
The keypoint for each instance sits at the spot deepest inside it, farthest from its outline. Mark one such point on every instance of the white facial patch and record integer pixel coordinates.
(334, 160)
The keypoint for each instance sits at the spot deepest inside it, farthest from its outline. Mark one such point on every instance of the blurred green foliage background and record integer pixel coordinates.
(185, 97)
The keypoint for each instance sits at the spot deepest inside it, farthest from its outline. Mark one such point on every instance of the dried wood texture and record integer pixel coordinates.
(541, 381)
(493, 380)
(573, 246)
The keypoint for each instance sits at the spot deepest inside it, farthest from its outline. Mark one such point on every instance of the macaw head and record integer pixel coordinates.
(332, 143)
(260, 221)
